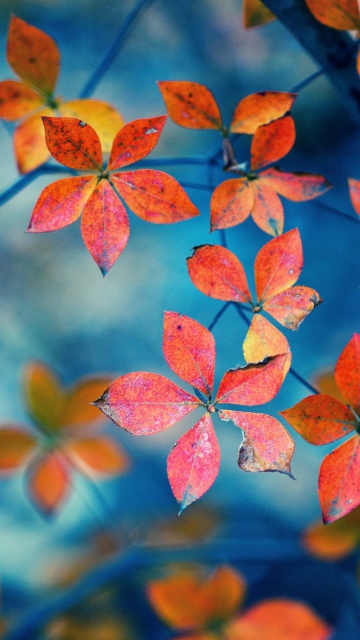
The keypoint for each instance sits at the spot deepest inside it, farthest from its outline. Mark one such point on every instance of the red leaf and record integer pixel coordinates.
(29, 142)
(145, 403)
(231, 203)
(17, 100)
(105, 226)
(266, 446)
(191, 105)
(100, 115)
(189, 350)
(100, 455)
(278, 619)
(338, 14)
(297, 185)
(61, 203)
(49, 482)
(193, 463)
(267, 211)
(272, 141)
(263, 340)
(135, 140)
(278, 264)
(218, 273)
(255, 14)
(15, 447)
(354, 191)
(320, 419)
(253, 384)
(339, 480)
(347, 372)
(260, 108)
(291, 307)
(33, 55)
(73, 143)
(154, 196)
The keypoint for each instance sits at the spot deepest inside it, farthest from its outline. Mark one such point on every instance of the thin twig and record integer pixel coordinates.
(115, 48)
(218, 315)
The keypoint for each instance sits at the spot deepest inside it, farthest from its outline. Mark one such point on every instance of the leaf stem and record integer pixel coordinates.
(218, 315)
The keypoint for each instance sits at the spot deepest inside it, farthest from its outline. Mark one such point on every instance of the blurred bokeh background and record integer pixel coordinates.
(56, 307)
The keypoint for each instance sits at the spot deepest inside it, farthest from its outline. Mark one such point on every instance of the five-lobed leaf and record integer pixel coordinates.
(255, 454)
(191, 105)
(260, 108)
(189, 350)
(144, 403)
(33, 55)
(193, 463)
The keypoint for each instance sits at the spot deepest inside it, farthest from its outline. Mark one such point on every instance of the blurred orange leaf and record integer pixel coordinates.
(98, 454)
(185, 601)
(336, 540)
(15, 446)
(278, 619)
(338, 14)
(49, 481)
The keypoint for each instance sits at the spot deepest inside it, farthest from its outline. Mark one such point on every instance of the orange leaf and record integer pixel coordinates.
(267, 211)
(33, 55)
(320, 419)
(278, 619)
(336, 540)
(290, 307)
(73, 143)
(145, 403)
(189, 350)
(15, 447)
(263, 340)
(44, 395)
(272, 141)
(297, 185)
(61, 203)
(185, 601)
(191, 105)
(29, 142)
(255, 14)
(105, 226)
(339, 480)
(78, 411)
(154, 196)
(49, 482)
(17, 100)
(100, 455)
(100, 115)
(347, 372)
(253, 384)
(354, 191)
(260, 108)
(193, 463)
(231, 203)
(218, 273)
(325, 382)
(266, 445)
(278, 264)
(135, 140)
(338, 14)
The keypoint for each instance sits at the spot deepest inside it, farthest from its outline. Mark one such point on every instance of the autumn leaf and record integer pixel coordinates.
(59, 442)
(337, 14)
(146, 403)
(255, 14)
(190, 601)
(278, 619)
(336, 540)
(354, 191)
(218, 273)
(321, 419)
(256, 191)
(191, 105)
(152, 195)
(35, 58)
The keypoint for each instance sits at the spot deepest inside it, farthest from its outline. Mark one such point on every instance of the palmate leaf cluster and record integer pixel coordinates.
(90, 139)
